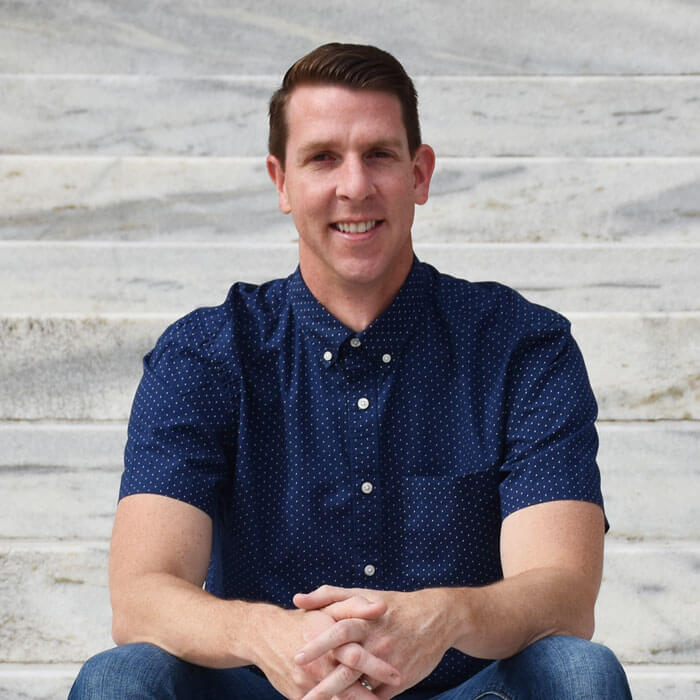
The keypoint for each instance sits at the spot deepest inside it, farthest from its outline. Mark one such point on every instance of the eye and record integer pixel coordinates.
(320, 157)
(380, 154)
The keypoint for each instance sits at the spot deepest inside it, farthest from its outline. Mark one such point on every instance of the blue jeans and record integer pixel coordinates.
(555, 668)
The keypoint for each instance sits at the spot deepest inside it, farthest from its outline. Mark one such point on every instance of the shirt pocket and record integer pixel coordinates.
(452, 528)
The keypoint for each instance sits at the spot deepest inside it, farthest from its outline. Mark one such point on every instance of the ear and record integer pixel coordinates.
(423, 166)
(276, 173)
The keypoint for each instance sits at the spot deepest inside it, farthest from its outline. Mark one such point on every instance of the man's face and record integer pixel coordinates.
(351, 186)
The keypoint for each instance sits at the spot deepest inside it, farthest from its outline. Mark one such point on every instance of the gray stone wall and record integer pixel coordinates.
(133, 188)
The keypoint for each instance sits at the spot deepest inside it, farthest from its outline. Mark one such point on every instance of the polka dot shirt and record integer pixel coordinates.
(382, 459)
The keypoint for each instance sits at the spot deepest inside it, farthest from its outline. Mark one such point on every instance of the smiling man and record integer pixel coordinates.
(368, 479)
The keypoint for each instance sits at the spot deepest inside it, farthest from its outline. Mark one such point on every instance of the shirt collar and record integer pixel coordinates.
(386, 334)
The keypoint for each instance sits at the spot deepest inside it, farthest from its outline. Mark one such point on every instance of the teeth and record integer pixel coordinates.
(360, 227)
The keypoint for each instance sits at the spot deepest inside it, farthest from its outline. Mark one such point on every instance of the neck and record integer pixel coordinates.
(356, 304)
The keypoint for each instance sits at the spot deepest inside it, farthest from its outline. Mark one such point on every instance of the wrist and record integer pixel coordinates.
(439, 611)
(249, 641)
(459, 610)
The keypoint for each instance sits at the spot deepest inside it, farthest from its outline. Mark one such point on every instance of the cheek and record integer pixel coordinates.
(309, 201)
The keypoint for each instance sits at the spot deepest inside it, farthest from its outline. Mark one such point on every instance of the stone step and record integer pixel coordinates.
(55, 603)
(86, 367)
(481, 200)
(100, 277)
(61, 480)
(460, 116)
(36, 681)
(53, 681)
(264, 36)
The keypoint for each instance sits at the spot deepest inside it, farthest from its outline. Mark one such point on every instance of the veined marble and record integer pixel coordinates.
(648, 605)
(604, 94)
(96, 277)
(76, 367)
(472, 200)
(36, 681)
(642, 366)
(460, 116)
(53, 681)
(61, 480)
(263, 36)
(55, 601)
(651, 479)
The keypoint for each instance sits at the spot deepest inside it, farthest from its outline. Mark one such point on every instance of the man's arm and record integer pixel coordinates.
(552, 563)
(158, 563)
(552, 559)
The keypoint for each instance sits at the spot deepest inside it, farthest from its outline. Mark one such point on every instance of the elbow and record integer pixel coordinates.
(583, 626)
(122, 619)
(587, 626)
(120, 627)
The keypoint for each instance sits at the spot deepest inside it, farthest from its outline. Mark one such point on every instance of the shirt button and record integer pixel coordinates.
(367, 487)
(363, 403)
(328, 356)
(369, 570)
(386, 358)
(355, 342)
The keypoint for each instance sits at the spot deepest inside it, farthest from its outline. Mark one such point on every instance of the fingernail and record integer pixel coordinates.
(300, 658)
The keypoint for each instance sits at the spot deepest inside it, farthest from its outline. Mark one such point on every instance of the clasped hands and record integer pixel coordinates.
(387, 639)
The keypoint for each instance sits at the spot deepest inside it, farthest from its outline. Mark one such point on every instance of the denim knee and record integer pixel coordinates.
(569, 667)
(132, 671)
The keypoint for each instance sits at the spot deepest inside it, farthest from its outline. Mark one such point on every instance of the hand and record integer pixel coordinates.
(293, 628)
(412, 635)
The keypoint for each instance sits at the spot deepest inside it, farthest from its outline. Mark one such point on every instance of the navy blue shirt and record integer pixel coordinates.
(383, 459)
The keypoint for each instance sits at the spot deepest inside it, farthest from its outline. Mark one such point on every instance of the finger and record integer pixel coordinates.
(340, 679)
(375, 669)
(356, 606)
(340, 633)
(356, 692)
(322, 596)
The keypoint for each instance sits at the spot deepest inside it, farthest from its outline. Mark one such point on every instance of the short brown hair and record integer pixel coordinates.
(356, 66)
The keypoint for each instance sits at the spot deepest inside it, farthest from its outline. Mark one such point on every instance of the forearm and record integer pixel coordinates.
(501, 619)
(188, 622)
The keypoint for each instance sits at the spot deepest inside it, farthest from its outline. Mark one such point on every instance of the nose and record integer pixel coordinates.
(354, 180)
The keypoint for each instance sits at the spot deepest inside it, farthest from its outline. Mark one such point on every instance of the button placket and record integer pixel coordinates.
(363, 452)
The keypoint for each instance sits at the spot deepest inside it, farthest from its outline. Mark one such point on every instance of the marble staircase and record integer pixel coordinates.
(133, 188)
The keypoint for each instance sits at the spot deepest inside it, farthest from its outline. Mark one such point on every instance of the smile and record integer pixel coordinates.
(355, 227)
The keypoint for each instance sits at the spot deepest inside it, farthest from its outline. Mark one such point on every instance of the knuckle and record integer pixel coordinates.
(383, 647)
(344, 630)
(346, 674)
(353, 654)
(338, 633)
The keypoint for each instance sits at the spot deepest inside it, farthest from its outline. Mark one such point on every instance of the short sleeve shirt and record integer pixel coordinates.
(384, 459)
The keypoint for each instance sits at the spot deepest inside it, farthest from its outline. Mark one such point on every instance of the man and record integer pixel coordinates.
(386, 475)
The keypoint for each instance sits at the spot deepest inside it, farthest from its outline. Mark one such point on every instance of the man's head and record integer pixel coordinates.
(354, 66)
(348, 169)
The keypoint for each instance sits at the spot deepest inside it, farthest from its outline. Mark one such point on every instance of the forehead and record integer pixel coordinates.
(336, 111)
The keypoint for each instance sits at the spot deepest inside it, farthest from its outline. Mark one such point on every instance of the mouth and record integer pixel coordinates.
(356, 226)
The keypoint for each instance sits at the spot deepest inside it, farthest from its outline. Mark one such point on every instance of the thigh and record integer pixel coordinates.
(566, 668)
(146, 671)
